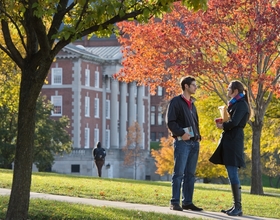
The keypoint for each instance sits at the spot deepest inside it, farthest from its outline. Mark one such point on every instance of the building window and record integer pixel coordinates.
(96, 108)
(87, 137)
(152, 118)
(153, 136)
(153, 108)
(107, 138)
(96, 79)
(159, 118)
(160, 135)
(87, 77)
(96, 135)
(87, 106)
(56, 76)
(107, 109)
(159, 91)
(159, 115)
(57, 105)
(75, 168)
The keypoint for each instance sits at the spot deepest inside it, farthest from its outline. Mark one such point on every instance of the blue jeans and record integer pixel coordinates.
(233, 175)
(185, 160)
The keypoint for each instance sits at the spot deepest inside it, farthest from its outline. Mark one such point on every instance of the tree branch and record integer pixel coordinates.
(11, 50)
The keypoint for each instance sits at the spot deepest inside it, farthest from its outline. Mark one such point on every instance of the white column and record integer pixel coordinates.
(114, 114)
(131, 104)
(76, 97)
(140, 104)
(123, 113)
(140, 119)
(103, 128)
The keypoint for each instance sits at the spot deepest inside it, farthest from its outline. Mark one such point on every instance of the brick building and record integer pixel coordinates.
(80, 85)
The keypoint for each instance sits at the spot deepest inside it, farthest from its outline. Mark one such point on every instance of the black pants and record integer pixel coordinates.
(99, 164)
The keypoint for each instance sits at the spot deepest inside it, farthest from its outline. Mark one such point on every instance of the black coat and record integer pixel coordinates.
(179, 116)
(230, 150)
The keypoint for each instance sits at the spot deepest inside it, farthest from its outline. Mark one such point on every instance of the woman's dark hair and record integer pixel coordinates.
(236, 84)
(186, 80)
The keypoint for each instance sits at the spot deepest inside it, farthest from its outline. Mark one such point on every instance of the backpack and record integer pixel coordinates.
(99, 154)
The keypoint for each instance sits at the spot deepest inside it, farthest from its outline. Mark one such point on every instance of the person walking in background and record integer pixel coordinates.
(230, 150)
(182, 121)
(99, 155)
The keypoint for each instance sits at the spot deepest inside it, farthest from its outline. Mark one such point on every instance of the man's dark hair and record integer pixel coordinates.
(186, 80)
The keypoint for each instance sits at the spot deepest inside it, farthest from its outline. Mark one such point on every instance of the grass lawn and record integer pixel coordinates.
(45, 210)
(211, 197)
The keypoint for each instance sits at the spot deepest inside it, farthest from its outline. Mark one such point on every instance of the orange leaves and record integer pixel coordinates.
(164, 157)
(102, 193)
(233, 38)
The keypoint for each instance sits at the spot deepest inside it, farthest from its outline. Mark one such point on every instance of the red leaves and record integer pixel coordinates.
(232, 38)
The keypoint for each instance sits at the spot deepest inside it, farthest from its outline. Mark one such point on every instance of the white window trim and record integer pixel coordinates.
(96, 107)
(56, 72)
(159, 115)
(96, 135)
(159, 91)
(58, 103)
(87, 77)
(107, 109)
(87, 137)
(153, 118)
(87, 106)
(159, 118)
(96, 79)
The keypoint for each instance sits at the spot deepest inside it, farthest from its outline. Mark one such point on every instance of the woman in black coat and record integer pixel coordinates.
(230, 150)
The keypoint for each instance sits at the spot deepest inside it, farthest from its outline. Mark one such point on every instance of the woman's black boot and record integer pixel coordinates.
(237, 209)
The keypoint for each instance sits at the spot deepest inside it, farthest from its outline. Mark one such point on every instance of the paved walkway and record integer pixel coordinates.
(147, 208)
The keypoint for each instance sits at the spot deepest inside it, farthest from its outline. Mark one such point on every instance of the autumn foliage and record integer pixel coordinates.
(232, 39)
(164, 156)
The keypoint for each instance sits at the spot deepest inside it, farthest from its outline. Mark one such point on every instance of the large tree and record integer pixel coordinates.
(42, 29)
(233, 39)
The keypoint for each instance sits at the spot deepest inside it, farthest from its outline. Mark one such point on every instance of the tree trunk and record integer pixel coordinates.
(256, 178)
(20, 192)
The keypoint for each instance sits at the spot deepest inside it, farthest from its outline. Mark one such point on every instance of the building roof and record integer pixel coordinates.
(111, 53)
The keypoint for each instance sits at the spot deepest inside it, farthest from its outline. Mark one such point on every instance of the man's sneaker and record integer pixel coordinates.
(176, 207)
(191, 207)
